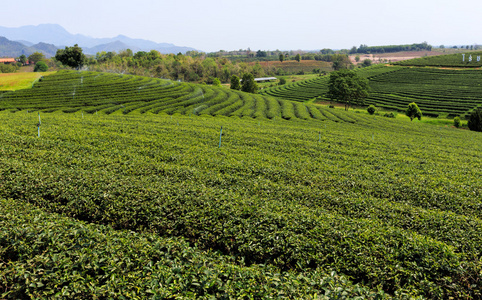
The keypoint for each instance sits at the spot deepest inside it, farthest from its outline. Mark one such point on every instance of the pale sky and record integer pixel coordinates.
(260, 24)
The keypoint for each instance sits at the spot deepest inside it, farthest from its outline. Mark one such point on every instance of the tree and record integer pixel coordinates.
(475, 120)
(281, 57)
(457, 122)
(371, 109)
(216, 82)
(23, 59)
(41, 67)
(71, 56)
(249, 85)
(36, 57)
(282, 81)
(347, 87)
(366, 63)
(357, 58)
(340, 61)
(235, 84)
(298, 57)
(413, 111)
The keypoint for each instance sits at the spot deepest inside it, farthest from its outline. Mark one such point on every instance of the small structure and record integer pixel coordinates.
(7, 60)
(265, 79)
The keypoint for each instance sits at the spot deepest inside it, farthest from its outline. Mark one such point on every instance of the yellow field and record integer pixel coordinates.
(17, 81)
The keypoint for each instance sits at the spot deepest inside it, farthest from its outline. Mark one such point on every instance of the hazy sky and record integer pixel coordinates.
(262, 24)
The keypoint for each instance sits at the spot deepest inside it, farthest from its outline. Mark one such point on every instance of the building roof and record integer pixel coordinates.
(265, 78)
(7, 60)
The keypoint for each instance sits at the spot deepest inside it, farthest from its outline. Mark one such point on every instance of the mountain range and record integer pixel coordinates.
(45, 37)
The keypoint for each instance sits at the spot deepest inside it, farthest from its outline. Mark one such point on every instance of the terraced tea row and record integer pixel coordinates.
(436, 91)
(108, 93)
(138, 266)
(389, 203)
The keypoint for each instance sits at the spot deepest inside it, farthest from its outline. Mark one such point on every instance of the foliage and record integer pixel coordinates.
(475, 120)
(58, 263)
(8, 68)
(393, 48)
(459, 60)
(457, 122)
(340, 61)
(23, 59)
(347, 87)
(36, 57)
(41, 67)
(235, 83)
(366, 63)
(436, 91)
(97, 92)
(71, 56)
(248, 84)
(299, 197)
(413, 111)
(371, 109)
(216, 82)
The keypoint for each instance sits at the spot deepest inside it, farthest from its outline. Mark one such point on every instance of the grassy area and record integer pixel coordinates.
(18, 81)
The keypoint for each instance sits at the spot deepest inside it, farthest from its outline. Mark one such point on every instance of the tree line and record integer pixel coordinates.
(364, 49)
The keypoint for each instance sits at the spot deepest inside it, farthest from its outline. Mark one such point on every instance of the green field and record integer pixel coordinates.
(469, 59)
(438, 92)
(152, 203)
(17, 81)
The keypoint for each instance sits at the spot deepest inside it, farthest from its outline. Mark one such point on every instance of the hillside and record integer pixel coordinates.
(468, 59)
(438, 92)
(139, 192)
(15, 49)
(93, 92)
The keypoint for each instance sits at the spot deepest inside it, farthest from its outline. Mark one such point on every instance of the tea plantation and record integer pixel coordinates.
(150, 200)
(438, 92)
(93, 92)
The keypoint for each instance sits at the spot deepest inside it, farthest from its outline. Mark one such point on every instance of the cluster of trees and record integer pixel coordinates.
(390, 49)
(347, 87)
(197, 68)
(247, 84)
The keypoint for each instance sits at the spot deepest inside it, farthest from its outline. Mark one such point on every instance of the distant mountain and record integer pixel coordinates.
(15, 49)
(26, 43)
(57, 35)
(116, 46)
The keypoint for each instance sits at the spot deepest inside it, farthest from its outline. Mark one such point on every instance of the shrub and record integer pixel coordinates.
(282, 81)
(371, 109)
(413, 111)
(41, 67)
(390, 115)
(457, 122)
(331, 106)
(475, 120)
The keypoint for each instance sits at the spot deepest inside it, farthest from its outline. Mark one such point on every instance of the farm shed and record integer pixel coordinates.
(7, 60)
(265, 79)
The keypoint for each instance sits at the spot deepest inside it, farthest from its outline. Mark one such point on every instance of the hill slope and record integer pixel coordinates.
(471, 59)
(92, 92)
(436, 91)
(15, 49)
